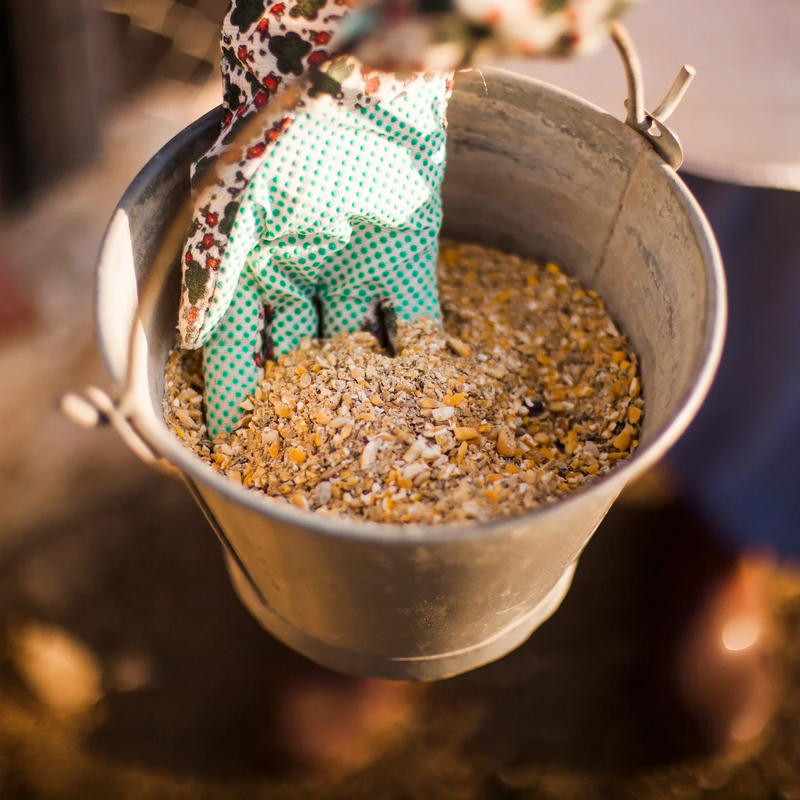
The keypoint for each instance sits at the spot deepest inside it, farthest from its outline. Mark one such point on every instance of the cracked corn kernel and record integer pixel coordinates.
(282, 410)
(449, 257)
(623, 441)
(506, 445)
(620, 388)
(458, 347)
(297, 455)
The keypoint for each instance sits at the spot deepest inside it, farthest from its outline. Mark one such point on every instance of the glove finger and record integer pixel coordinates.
(234, 357)
(289, 295)
(230, 357)
(401, 267)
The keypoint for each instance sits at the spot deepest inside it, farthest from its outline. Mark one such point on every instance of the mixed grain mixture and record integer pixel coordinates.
(529, 393)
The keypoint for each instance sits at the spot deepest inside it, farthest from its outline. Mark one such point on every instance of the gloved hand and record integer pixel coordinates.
(330, 199)
(341, 215)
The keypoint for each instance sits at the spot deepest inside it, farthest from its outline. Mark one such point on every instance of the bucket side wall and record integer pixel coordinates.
(410, 599)
(135, 234)
(653, 280)
(535, 175)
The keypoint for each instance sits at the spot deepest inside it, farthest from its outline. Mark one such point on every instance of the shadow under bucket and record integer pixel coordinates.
(531, 170)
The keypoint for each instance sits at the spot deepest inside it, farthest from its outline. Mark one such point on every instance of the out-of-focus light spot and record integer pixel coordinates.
(60, 670)
(750, 725)
(131, 672)
(740, 633)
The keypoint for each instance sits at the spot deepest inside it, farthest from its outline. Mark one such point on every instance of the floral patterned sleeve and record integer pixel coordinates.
(268, 46)
(544, 28)
(408, 33)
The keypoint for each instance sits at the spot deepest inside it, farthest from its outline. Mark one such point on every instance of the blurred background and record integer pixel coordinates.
(128, 669)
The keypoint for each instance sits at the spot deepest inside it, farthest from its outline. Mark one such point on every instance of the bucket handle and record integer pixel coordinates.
(98, 409)
(651, 127)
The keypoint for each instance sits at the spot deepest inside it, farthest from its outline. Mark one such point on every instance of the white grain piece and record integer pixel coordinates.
(370, 453)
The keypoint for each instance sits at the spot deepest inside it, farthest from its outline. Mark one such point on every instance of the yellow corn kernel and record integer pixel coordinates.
(297, 455)
(620, 388)
(450, 257)
(623, 441)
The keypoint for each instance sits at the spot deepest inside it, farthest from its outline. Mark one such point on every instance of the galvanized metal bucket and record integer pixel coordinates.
(531, 170)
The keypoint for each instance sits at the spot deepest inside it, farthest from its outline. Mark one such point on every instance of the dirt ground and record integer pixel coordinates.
(128, 668)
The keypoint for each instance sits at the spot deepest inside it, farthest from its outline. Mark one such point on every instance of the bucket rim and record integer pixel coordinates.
(160, 439)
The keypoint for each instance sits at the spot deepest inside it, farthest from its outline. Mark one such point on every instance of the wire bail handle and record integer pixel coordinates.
(651, 126)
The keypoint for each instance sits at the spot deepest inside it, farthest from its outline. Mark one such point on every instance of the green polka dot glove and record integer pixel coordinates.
(323, 192)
